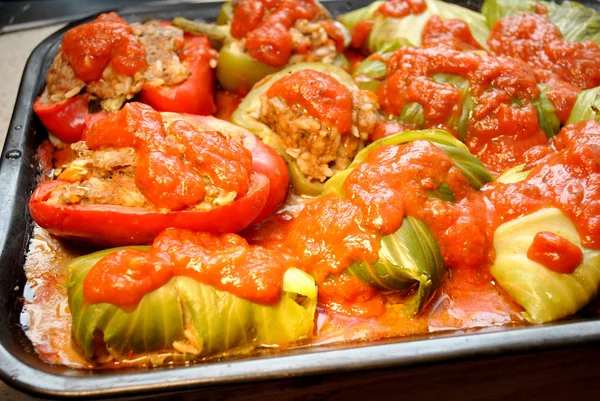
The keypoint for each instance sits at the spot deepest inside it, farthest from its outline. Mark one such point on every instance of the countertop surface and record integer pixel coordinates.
(15, 49)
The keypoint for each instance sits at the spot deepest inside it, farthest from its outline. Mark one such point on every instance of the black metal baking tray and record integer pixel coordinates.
(22, 368)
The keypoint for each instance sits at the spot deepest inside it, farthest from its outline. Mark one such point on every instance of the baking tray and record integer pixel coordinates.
(22, 368)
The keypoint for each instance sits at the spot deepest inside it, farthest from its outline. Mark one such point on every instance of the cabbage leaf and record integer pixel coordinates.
(410, 261)
(187, 317)
(388, 29)
(576, 22)
(544, 294)
(472, 168)
(587, 106)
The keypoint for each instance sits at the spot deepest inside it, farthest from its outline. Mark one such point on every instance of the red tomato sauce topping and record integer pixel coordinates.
(323, 97)
(567, 178)
(171, 164)
(555, 252)
(91, 47)
(395, 181)
(453, 33)
(360, 33)
(402, 8)
(561, 93)
(535, 39)
(226, 262)
(265, 24)
(487, 101)
(348, 295)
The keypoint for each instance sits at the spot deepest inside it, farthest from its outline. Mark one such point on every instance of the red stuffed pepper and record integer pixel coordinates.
(139, 172)
(65, 119)
(108, 61)
(195, 95)
(265, 160)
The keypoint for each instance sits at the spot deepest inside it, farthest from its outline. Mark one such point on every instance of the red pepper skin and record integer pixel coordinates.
(265, 160)
(109, 225)
(64, 119)
(195, 95)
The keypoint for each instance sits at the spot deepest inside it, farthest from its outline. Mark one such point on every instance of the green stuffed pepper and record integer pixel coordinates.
(314, 115)
(254, 42)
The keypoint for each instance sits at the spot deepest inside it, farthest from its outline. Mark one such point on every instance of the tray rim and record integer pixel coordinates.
(399, 352)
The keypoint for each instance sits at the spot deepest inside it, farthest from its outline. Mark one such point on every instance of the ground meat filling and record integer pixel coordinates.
(311, 42)
(318, 148)
(107, 177)
(62, 82)
(161, 44)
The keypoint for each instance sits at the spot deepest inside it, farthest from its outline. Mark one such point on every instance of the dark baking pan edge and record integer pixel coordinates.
(21, 368)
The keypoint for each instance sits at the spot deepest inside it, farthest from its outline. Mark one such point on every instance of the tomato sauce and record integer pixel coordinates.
(108, 40)
(172, 164)
(225, 262)
(328, 236)
(396, 181)
(320, 94)
(534, 39)
(453, 33)
(555, 252)
(568, 178)
(350, 296)
(502, 121)
(360, 33)
(402, 8)
(323, 97)
(562, 94)
(331, 233)
(266, 23)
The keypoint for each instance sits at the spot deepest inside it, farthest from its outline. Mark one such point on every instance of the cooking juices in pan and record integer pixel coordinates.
(446, 178)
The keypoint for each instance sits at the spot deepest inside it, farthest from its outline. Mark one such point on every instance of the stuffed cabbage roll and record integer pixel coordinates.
(466, 93)
(376, 221)
(551, 38)
(545, 294)
(190, 295)
(548, 244)
(380, 23)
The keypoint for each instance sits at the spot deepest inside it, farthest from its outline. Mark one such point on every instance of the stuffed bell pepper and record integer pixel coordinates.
(407, 208)
(314, 116)
(189, 296)
(139, 172)
(259, 37)
(107, 61)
